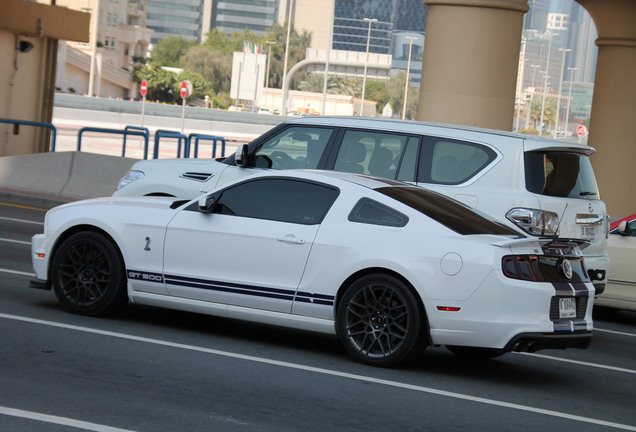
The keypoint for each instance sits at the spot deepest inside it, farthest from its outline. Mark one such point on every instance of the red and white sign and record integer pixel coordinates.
(581, 130)
(143, 88)
(186, 89)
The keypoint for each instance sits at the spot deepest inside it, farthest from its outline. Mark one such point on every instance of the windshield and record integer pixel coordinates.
(560, 174)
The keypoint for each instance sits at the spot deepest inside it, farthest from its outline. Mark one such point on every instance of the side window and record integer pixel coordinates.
(279, 199)
(447, 161)
(378, 154)
(295, 147)
(372, 212)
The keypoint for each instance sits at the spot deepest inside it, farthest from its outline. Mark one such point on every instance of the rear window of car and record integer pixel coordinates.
(560, 174)
(451, 214)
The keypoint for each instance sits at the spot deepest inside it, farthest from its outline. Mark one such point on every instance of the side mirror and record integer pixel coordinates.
(241, 155)
(206, 204)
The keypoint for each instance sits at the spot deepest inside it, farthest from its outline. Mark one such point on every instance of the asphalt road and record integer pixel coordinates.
(154, 370)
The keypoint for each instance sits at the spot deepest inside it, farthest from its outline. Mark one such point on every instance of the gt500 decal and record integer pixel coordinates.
(145, 276)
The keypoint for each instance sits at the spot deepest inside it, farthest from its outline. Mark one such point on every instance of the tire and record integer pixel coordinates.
(378, 320)
(87, 274)
(475, 352)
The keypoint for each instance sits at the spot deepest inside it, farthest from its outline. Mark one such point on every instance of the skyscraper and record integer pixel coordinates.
(184, 18)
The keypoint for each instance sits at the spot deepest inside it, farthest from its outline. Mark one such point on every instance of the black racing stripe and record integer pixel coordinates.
(563, 288)
(211, 287)
(184, 281)
(314, 295)
(575, 289)
(314, 301)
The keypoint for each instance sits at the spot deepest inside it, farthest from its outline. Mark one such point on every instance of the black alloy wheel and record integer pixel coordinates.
(378, 320)
(87, 274)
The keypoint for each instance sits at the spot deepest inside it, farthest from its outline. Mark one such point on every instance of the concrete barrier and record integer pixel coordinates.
(65, 176)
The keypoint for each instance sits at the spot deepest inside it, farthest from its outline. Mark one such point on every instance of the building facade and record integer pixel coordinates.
(118, 38)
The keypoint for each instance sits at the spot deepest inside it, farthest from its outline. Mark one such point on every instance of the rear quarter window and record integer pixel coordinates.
(450, 162)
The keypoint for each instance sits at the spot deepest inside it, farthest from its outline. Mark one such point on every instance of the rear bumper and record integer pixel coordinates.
(531, 342)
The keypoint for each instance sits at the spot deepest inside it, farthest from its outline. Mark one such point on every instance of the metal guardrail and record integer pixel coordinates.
(36, 124)
(198, 137)
(123, 132)
(162, 133)
(146, 132)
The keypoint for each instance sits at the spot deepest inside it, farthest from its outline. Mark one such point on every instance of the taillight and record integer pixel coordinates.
(544, 268)
(535, 222)
(524, 267)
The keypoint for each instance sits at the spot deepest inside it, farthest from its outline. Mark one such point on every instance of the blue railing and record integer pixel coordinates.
(125, 132)
(185, 143)
(162, 133)
(36, 124)
(146, 139)
(198, 137)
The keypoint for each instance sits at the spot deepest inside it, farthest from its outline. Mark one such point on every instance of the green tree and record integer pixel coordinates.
(200, 86)
(549, 113)
(396, 86)
(298, 43)
(168, 51)
(378, 91)
(162, 84)
(211, 65)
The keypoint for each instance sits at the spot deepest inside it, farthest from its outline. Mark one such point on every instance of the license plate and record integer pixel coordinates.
(588, 232)
(567, 308)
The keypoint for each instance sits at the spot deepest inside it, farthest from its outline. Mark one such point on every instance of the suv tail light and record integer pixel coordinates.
(535, 222)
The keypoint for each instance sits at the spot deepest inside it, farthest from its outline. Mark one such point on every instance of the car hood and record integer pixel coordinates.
(132, 202)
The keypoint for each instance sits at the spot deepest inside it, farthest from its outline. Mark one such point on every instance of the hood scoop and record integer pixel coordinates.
(197, 176)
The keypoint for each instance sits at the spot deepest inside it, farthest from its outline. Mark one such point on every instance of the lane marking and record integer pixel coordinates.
(21, 220)
(616, 332)
(351, 376)
(2, 270)
(64, 421)
(596, 365)
(15, 241)
(6, 204)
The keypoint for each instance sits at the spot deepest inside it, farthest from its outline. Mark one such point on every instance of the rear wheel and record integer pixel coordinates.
(87, 274)
(378, 320)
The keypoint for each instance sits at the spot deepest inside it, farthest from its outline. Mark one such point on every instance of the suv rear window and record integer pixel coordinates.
(560, 174)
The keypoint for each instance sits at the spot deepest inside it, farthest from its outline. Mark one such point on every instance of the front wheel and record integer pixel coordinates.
(87, 274)
(378, 320)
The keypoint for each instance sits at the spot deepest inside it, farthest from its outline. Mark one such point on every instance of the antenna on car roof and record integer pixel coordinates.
(556, 232)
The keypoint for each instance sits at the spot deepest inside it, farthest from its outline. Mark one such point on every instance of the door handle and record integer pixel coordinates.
(291, 239)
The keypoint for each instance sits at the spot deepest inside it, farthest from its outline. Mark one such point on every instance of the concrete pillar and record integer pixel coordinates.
(471, 56)
(614, 104)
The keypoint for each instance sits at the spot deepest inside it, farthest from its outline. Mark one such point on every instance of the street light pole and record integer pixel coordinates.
(269, 52)
(545, 84)
(283, 110)
(556, 121)
(94, 31)
(567, 112)
(408, 70)
(366, 63)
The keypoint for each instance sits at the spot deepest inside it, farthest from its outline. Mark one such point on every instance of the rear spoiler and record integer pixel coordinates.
(544, 241)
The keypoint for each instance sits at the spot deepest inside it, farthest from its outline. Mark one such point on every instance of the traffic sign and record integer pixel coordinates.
(581, 130)
(143, 88)
(186, 89)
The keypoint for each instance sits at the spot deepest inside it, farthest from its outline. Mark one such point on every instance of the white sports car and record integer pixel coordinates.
(388, 267)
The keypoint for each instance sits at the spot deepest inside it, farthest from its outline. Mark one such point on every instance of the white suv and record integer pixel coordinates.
(541, 186)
